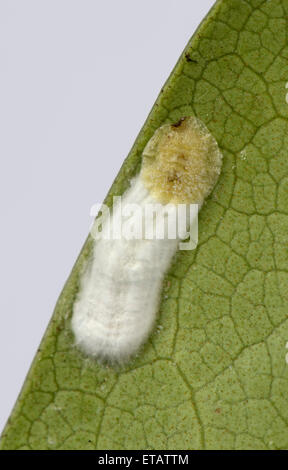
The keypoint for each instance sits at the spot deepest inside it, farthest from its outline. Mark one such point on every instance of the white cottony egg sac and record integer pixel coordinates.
(120, 289)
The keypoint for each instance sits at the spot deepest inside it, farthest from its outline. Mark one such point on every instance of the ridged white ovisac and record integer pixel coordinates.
(120, 290)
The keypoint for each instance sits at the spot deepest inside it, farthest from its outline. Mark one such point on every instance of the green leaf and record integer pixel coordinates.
(215, 375)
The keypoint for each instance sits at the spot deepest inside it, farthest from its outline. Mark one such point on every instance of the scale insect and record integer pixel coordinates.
(120, 290)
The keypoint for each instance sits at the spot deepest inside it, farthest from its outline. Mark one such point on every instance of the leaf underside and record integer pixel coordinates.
(215, 375)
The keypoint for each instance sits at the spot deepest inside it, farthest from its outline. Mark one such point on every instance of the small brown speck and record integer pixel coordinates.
(189, 59)
(173, 177)
(178, 123)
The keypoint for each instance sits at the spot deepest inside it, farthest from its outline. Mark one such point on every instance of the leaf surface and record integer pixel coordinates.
(215, 375)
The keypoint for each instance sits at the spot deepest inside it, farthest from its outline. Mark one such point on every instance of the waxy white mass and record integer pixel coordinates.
(120, 290)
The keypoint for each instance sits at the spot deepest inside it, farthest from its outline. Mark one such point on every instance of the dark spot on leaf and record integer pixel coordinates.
(178, 123)
(189, 59)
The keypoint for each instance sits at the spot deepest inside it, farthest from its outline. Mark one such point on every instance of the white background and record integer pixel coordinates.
(73, 74)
